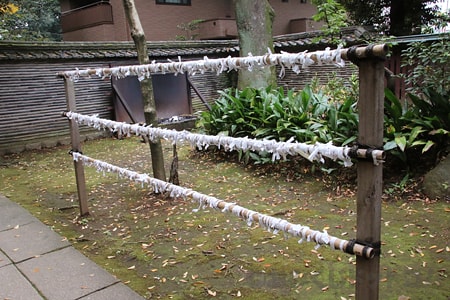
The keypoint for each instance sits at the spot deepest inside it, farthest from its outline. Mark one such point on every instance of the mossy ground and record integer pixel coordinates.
(162, 249)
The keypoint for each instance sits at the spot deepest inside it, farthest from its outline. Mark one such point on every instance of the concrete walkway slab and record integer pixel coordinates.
(30, 240)
(65, 274)
(14, 286)
(4, 260)
(36, 263)
(117, 291)
(13, 215)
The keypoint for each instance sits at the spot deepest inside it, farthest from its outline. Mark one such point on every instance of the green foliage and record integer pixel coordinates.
(430, 63)
(31, 21)
(334, 16)
(189, 30)
(306, 115)
(324, 113)
(438, 24)
(400, 17)
(415, 129)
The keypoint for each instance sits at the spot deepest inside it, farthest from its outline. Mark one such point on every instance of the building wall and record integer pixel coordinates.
(105, 32)
(160, 21)
(32, 100)
(287, 11)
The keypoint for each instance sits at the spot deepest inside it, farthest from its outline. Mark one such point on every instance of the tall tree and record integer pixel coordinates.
(30, 20)
(395, 17)
(254, 21)
(138, 35)
(334, 16)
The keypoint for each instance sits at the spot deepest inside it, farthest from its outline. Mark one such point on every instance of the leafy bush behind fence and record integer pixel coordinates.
(328, 113)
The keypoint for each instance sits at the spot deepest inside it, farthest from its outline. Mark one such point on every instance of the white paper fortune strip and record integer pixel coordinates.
(294, 61)
(270, 223)
(279, 150)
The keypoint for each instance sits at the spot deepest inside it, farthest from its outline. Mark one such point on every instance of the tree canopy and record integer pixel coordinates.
(394, 17)
(30, 20)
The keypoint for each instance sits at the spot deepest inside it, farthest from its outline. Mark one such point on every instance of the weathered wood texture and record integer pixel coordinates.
(76, 146)
(32, 99)
(370, 179)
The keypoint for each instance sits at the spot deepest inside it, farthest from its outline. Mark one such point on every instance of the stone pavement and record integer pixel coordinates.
(37, 263)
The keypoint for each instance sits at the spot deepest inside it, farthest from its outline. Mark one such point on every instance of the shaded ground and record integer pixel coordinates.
(162, 249)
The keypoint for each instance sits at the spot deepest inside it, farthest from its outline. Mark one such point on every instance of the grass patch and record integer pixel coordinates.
(163, 250)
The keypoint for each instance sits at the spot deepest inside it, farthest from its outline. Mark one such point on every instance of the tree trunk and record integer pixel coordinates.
(138, 35)
(254, 23)
(397, 17)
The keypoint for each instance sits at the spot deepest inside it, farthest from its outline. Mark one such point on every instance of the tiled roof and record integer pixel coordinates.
(17, 50)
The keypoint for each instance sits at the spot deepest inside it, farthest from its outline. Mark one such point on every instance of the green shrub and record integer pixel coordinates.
(430, 62)
(422, 127)
(306, 115)
(412, 131)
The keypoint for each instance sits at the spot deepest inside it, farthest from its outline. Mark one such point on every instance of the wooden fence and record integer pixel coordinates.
(370, 61)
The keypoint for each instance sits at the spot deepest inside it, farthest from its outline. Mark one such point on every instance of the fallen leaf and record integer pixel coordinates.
(211, 293)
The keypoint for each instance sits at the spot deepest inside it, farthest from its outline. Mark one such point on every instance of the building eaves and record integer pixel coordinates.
(18, 50)
(420, 38)
(163, 50)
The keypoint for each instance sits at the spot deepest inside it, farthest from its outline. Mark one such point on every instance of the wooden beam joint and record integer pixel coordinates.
(369, 251)
(356, 53)
(367, 153)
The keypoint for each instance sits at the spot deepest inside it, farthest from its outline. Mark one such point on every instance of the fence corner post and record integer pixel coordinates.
(370, 176)
(76, 146)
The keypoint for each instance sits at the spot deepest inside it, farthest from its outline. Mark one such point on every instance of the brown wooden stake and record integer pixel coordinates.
(76, 146)
(370, 108)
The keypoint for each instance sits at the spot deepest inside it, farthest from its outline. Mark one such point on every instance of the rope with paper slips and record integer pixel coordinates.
(294, 61)
(279, 150)
(270, 223)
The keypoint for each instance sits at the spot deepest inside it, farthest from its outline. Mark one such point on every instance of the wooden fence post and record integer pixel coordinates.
(76, 146)
(370, 176)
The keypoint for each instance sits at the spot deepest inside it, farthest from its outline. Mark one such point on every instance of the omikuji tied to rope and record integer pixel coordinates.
(270, 223)
(279, 150)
